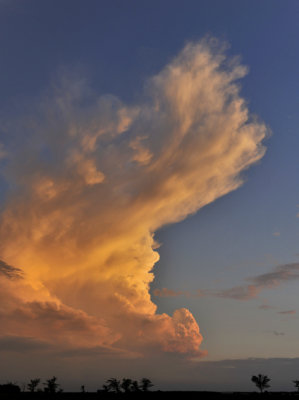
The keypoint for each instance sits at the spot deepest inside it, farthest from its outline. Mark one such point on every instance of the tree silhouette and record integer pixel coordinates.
(33, 384)
(135, 387)
(126, 385)
(112, 385)
(261, 381)
(296, 383)
(51, 385)
(145, 384)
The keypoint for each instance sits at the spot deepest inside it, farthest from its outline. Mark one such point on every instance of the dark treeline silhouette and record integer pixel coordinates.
(114, 388)
(52, 387)
(127, 385)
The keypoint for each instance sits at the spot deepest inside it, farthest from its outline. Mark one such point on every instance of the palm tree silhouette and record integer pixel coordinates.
(146, 384)
(261, 381)
(135, 387)
(113, 385)
(33, 384)
(51, 385)
(296, 385)
(126, 385)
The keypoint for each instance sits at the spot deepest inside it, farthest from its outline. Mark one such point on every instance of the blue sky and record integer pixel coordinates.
(117, 46)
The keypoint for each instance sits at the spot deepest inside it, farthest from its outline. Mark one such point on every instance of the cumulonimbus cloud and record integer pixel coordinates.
(92, 179)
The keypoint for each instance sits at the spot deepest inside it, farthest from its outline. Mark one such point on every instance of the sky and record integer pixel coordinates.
(148, 192)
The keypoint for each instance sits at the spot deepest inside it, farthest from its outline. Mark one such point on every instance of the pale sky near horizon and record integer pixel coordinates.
(121, 126)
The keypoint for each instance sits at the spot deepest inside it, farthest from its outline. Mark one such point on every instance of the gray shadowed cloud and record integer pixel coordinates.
(96, 351)
(278, 333)
(280, 274)
(28, 344)
(21, 344)
(9, 271)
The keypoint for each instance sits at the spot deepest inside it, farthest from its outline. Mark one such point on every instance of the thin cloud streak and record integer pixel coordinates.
(287, 312)
(164, 292)
(266, 307)
(278, 333)
(270, 280)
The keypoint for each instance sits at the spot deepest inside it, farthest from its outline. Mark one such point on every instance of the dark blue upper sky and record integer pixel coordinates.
(121, 43)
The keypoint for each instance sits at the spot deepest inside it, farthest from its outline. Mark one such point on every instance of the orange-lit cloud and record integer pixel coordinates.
(91, 182)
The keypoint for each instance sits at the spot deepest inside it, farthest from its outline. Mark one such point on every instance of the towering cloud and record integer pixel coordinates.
(91, 180)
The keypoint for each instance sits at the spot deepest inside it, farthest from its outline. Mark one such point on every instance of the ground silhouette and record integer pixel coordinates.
(127, 388)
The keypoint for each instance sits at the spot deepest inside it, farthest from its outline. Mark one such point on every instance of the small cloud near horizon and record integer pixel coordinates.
(164, 292)
(265, 307)
(269, 280)
(287, 312)
(278, 333)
